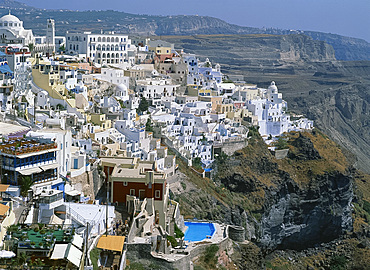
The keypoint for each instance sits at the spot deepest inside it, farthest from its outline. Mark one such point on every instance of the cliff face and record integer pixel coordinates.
(297, 218)
(299, 212)
(305, 199)
(268, 50)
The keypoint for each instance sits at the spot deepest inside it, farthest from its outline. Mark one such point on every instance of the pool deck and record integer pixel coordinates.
(193, 227)
(217, 238)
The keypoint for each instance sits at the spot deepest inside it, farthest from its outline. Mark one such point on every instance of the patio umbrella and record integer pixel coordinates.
(6, 254)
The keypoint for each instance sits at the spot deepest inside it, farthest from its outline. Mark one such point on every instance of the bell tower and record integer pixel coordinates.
(50, 33)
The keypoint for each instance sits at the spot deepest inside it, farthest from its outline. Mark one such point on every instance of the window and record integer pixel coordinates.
(132, 192)
(142, 194)
(157, 194)
(125, 184)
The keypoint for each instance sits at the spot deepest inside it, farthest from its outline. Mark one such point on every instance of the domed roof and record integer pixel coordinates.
(9, 18)
(121, 87)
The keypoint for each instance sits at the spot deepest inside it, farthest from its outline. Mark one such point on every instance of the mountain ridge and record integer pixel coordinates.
(346, 48)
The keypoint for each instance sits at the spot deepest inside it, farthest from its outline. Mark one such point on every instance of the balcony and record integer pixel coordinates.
(20, 147)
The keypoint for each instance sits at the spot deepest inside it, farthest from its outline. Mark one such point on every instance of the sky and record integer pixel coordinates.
(343, 17)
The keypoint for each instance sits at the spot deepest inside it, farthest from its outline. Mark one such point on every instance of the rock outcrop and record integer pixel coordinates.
(298, 218)
(306, 198)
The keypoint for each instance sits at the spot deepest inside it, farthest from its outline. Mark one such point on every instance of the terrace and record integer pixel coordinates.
(37, 238)
(25, 146)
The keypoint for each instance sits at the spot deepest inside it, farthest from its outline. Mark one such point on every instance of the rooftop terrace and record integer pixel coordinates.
(25, 146)
(39, 236)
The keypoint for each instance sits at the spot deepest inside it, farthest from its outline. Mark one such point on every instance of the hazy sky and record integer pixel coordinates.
(344, 17)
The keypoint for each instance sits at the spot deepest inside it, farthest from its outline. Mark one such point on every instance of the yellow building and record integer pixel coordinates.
(197, 90)
(224, 108)
(160, 50)
(46, 76)
(243, 116)
(216, 100)
(100, 120)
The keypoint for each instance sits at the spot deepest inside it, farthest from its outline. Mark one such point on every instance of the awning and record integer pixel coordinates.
(3, 209)
(5, 69)
(30, 171)
(3, 187)
(59, 251)
(49, 166)
(74, 255)
(78, 241)
(111, 242)
(55, 220)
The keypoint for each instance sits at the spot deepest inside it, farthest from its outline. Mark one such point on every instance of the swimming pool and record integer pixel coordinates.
(199, 231)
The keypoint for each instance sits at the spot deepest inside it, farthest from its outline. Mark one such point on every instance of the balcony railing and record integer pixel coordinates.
(25, 148)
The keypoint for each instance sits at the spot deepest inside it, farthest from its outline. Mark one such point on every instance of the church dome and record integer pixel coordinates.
(10, 22)
(121, 90)
(121, 87)
(9, 18)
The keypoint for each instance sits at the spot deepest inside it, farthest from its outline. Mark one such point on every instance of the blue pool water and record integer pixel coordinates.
(198, 231)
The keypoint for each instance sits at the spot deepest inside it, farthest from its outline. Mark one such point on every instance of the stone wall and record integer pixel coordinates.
(230, 147)
(280, 154)
(89, 183)
(142, 253)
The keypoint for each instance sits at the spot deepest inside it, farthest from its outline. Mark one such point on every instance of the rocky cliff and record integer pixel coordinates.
(302, 206)
(299, 203)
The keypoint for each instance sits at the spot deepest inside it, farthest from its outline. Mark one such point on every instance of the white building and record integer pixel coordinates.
(156, 88)
(64, 140)
(272, 118)
(115, 76)
(12, 31)
(107, 48)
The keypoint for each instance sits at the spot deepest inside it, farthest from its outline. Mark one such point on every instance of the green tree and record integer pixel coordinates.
(60, 107)
(178, 232)
(143, 106)
(148, 125)
(31, 47)
(62, 48)
(222, 157)
(281, 144)
(197, 163)
(26, 183)
(22, 258)
(122, 103)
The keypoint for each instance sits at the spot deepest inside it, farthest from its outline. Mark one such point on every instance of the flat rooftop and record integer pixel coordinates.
(8, 129)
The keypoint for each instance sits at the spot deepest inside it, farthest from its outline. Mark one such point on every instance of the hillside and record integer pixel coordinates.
(291, 207)
(335, 94)
(346, 48)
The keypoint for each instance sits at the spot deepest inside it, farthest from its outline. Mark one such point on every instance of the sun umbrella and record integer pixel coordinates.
(6, 254)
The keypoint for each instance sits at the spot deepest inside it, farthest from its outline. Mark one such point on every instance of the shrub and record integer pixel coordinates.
(281, 144)
(338, 263)
(178, 232)
(210, 253)
(94, 256)
(197, 163)
(172, 240)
